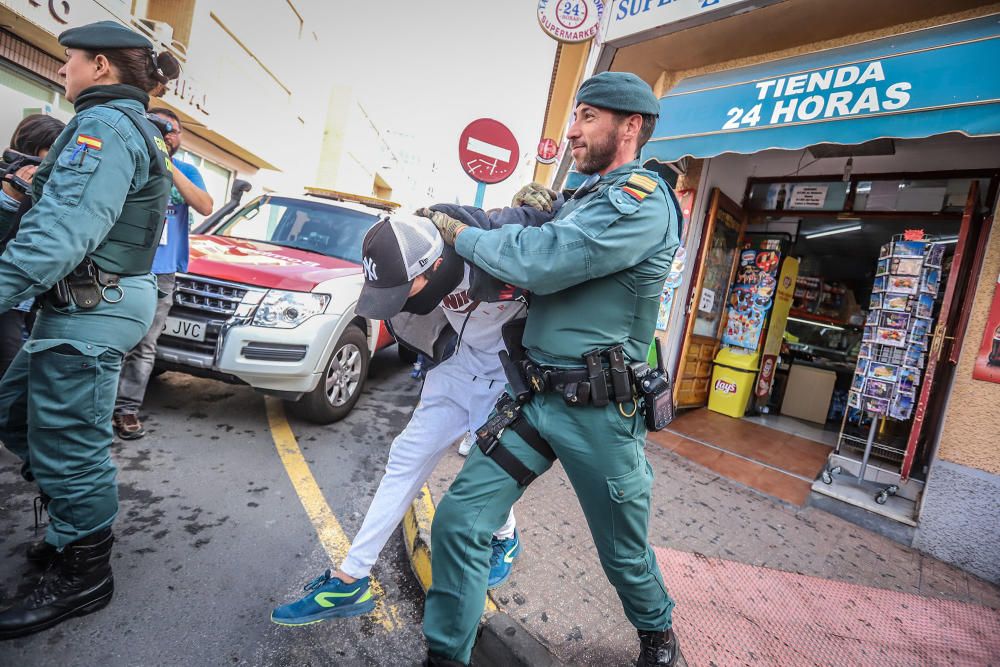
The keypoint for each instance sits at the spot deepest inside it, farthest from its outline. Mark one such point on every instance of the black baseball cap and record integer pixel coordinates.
(397, 249)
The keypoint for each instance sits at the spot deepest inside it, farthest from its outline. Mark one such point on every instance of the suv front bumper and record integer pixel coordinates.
(272, 360)
(285, 360)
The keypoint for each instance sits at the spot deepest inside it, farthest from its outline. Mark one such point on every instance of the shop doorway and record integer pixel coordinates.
(866, 346)
(724, 228)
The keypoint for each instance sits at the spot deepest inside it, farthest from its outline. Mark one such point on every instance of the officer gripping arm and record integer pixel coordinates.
(616, 235)
(597, 271)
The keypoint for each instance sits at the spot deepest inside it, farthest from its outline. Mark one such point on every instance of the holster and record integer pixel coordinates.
(515, 378)
(513, 359)
(84, 286)
(513, 338)
(508, 415)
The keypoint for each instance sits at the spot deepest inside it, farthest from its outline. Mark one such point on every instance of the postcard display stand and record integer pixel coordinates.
(894, 346)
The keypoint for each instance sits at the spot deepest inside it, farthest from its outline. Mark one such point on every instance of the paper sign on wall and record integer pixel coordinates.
(707, 300)
(808, 196)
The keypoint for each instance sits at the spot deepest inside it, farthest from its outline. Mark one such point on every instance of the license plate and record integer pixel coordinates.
(181, 328)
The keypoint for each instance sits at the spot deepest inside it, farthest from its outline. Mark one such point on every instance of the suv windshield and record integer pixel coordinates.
(324, 228)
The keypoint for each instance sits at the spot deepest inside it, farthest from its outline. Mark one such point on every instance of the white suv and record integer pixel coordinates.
(268, 300)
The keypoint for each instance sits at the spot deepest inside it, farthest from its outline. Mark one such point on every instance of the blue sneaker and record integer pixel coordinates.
(502, 559)
(327, 597)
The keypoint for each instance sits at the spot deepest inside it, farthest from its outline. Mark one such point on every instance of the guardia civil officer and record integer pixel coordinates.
(87, 244)
(596, 272)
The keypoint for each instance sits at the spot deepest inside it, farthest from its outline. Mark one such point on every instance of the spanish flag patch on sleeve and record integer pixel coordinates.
(90, 142)
(639, 186)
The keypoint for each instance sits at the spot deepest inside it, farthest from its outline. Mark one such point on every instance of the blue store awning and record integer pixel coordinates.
(910, 86)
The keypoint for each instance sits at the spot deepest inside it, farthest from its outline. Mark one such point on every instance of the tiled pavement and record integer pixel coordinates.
(559, 592)
(776, 463)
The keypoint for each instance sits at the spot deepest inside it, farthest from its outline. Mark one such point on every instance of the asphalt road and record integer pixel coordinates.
(211, 535)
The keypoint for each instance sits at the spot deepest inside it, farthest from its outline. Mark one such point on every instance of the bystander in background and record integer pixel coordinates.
(33, 136)
(171, 256)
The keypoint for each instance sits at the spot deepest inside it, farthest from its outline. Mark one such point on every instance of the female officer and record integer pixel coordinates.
(87, 244)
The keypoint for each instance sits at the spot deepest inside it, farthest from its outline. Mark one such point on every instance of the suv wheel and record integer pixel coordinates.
(341, 383)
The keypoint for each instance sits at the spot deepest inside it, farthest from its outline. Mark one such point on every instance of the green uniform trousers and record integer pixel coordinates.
(56, 402)
(603, 455)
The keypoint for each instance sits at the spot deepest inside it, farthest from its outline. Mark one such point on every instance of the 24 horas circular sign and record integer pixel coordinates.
(570, 20)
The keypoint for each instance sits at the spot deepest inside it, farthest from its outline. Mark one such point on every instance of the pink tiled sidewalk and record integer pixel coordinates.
(730, 613)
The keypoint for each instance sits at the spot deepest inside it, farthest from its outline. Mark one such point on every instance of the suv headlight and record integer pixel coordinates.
(287, 310)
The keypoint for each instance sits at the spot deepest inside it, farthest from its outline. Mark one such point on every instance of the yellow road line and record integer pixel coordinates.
(331, 535)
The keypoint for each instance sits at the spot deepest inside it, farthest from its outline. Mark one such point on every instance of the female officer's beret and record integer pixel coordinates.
(619, 91)
(103, 35)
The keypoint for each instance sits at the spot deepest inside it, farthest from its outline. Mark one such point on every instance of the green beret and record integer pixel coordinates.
(620, 91)
(103, 35)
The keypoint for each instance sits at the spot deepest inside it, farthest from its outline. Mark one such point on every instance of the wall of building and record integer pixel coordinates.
(356, 156)
(958, 518)
(247, 81)
(247, 87)
(961, 503)
(971, 434)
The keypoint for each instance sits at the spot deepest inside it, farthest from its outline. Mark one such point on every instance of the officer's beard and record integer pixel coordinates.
(599, 156)
(441, 282)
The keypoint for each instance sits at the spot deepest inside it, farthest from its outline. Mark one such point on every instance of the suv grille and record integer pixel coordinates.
(208, 296)
(205, 300)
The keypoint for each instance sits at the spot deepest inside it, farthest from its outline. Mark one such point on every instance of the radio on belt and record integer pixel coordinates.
(656, 390)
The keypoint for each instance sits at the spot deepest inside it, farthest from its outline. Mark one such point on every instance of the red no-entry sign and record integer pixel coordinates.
(488, 151)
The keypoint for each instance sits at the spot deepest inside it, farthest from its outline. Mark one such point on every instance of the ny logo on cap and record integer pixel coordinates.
(369, 266)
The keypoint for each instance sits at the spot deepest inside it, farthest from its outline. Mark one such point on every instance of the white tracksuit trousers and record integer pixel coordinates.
(453, 402)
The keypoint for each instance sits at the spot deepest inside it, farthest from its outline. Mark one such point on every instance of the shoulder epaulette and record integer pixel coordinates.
(639, 186)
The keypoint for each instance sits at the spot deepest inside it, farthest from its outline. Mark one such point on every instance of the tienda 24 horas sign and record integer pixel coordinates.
(570, 20)
(829, 93)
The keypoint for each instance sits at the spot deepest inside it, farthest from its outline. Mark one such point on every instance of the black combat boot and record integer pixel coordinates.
(79, 582)
(435, 661)
(657, 648)
(41, 554)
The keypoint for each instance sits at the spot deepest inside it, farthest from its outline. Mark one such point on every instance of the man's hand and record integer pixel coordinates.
(448, 226)
(25, 173)
(536, 196)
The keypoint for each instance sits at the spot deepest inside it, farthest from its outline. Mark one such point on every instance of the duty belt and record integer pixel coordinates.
(555, 379)
(581, 386)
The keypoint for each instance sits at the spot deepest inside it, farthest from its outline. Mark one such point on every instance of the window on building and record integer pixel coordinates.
(21, 96)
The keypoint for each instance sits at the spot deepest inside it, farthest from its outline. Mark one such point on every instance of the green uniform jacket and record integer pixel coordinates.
(595, 271)
(84, 193)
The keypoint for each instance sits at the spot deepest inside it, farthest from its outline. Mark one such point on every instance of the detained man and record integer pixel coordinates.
(430, 297)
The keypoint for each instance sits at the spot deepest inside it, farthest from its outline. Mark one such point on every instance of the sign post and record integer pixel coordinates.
(488, 152)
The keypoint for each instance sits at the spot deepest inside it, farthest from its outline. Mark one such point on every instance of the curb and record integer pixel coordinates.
(502, 642)
(417, 536)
